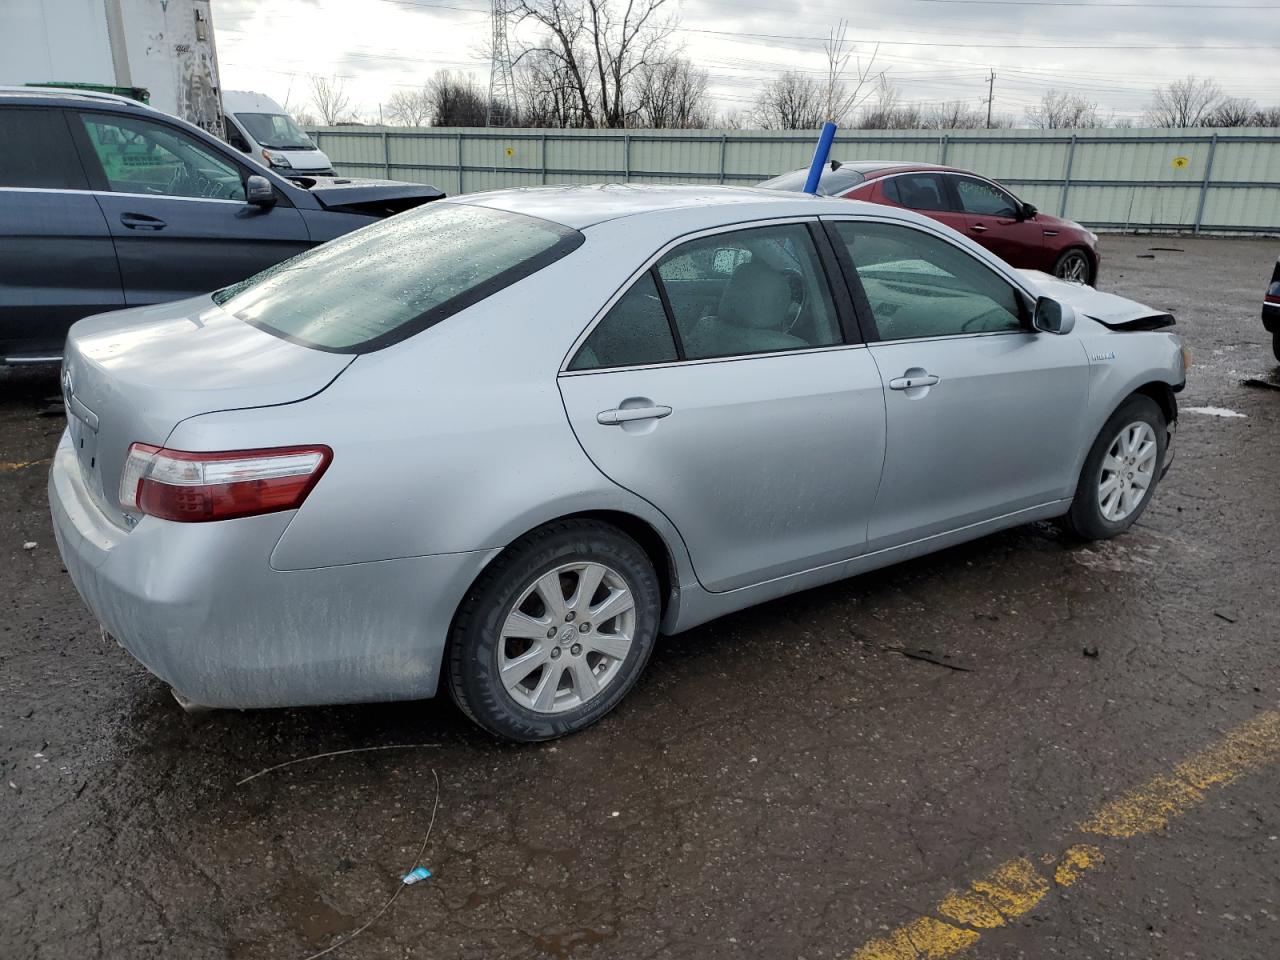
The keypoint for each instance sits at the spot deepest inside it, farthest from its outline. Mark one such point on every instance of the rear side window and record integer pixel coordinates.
(386, 282)
(634, 331)
(36, 150)
(919, 191)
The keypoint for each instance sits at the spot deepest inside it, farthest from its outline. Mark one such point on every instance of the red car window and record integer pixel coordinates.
(919, 191)
(980, 197)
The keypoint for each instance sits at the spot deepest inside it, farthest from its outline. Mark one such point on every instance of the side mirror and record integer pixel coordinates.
(258, 192)
(1050, 316)
(1027, 211)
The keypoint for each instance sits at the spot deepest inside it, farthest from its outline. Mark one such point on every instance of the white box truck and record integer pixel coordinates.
(163, 46)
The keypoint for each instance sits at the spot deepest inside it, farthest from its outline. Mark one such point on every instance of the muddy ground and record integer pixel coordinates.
(782, 783)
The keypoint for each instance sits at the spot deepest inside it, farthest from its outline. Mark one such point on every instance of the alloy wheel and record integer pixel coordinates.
(566, 637)
(1074, 268)
(1128, 470)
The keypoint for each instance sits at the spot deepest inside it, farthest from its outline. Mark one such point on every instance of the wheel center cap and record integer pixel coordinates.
(566, 635)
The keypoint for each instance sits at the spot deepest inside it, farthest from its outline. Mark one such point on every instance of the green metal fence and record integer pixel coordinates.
(1212, 181)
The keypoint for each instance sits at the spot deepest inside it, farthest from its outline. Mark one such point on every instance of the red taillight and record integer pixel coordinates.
(195, 487)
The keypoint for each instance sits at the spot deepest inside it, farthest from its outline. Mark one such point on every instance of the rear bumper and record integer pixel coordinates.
(1271, 317)
(200, 607)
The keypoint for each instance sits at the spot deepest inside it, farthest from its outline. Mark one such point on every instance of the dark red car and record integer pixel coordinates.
(977, 207)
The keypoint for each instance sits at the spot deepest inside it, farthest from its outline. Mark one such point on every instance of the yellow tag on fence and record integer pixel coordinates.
(1180, 163)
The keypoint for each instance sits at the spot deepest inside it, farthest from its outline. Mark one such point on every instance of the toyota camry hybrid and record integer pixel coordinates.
(500, 442)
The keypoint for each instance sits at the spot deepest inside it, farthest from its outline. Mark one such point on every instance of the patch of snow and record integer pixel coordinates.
(1215, 412)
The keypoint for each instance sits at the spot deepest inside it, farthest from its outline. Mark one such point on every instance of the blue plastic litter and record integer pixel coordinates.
(416, 874)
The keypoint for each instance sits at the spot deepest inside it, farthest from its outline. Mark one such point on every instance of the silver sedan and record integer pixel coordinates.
(502, 442)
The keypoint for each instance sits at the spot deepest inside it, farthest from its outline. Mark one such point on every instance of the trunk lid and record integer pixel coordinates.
(132, 376)
(1112, 311)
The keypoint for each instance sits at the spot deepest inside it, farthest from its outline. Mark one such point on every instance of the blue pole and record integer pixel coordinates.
(820, 157)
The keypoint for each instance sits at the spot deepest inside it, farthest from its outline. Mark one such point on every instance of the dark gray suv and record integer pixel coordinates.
(106, 203)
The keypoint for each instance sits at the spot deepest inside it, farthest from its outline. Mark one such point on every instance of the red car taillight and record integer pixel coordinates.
(195, 487)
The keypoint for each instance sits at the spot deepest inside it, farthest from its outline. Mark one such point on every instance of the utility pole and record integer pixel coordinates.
(991, 96)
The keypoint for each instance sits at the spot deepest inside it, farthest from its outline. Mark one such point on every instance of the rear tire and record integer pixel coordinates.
(1121, 472)
(1075, 266)
(531, 656)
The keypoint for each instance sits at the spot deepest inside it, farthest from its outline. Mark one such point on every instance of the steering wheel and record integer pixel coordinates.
(799, 296)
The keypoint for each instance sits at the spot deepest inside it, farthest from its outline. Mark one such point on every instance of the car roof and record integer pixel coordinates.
(57, 96)
(588, 204)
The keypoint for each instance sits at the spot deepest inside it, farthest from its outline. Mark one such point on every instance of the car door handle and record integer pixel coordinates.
(620, 415)
(906, 383)
(978, 228)
(140, 221)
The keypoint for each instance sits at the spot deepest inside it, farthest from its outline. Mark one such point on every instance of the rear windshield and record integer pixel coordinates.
(831, 183)
(388, 281)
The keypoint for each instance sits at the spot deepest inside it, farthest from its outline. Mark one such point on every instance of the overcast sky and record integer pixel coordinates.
(1112, 53)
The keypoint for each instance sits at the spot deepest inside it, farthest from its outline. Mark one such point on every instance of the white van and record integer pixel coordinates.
(258, 126)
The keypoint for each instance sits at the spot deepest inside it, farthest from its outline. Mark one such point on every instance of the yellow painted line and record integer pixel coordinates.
(1151, 806)
(1014, 888)
(19, 465)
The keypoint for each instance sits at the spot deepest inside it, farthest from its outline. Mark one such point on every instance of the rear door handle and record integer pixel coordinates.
(978, 228)
(906, 383)
(629, 414)
(140, 221)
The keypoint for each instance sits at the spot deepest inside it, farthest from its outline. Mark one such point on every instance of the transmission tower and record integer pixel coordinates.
(502, 84)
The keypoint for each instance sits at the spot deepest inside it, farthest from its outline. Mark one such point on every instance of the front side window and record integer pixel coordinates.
(919, 285)
(36, 150)
(275, 131)
(985, 199)
(749, 291)
(139, 156)
(387, 281)
(918, 191)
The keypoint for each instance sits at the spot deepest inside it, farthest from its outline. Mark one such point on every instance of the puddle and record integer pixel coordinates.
(1215, 412)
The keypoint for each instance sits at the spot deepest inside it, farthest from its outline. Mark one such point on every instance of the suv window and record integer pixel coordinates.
(919, 191)
(139, 156)
(381, 284)
(919, 285)
(749, 291)
(36, 150)
(634, 331)
(980, 197)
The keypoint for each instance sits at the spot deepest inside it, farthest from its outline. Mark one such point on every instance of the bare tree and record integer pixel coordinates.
(791, 102)
(1234, 112)
(1268, 117)
(671, 93)
(1184, 103)
(329, 97)
(842, 90)
(410, 108)
(599, 44)
(956, 115)
(1060, 111)
(544, 92)
(885, 110)
(455, 100)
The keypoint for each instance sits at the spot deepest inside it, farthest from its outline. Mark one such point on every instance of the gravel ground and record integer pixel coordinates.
(781, 783)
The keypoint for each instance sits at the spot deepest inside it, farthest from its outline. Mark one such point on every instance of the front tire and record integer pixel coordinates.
(1074, 266)
(1121, 472)
(555, 632)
